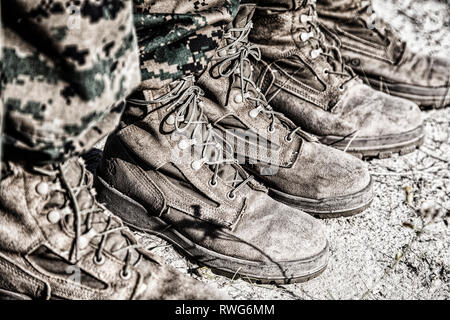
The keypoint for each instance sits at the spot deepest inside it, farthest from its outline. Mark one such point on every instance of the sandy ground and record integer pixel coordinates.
(395, 250)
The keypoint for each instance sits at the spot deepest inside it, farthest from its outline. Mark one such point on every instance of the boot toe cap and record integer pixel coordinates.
(392, 116)
(376, 114)
(284, 233)
(329, 172)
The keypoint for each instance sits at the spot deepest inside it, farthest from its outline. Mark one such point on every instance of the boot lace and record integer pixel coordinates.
(314, 36)
(95, 213)
(235, 58)
(369, 17)
(186, 113)
(366, 14)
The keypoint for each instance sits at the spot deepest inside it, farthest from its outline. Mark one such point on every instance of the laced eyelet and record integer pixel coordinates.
(170, 119)
(288, 139)
(231, 195)
(83, 242)
(305, 36)
(125, 275)
(326, 72)
(222, 53)
(99, 261)
(186, 143)
(305, 18)
(238, 98)
(255, 112)
(271, 129)
(341, 88)
(54, 216)
(212, 183)
(315, 53)
(43, 188)
(197, 164)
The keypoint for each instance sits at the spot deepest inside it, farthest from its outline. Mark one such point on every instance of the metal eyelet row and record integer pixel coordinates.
(305, 36)
(231, 195)
(304, 19)
(315, 53)
(125, 275)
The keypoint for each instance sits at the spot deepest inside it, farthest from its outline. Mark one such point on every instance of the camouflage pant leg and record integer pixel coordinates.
(66, 66)
(179, 37)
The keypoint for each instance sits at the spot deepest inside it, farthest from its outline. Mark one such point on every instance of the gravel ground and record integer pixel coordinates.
(400, 247)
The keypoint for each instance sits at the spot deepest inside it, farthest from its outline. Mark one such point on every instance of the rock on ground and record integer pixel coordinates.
(391, 251)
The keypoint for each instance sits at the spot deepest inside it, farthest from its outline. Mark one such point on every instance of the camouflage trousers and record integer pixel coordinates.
(67, 66)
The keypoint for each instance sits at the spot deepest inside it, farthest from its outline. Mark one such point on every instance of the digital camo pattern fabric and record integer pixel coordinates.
(179, 38)
(66, 68)
(68, 65)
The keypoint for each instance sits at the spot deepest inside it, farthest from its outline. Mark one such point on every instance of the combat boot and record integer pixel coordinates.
(297, 169)
(167, 172)
(58, 242)
(374, 50)
(304, 77)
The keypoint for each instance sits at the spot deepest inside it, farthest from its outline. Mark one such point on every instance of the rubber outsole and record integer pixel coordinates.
(9, 295)
(388, 153)
(424, 101)
(330, 208)
(254, 271)
(380, 147)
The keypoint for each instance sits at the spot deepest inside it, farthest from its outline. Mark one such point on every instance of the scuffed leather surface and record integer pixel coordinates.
(24, 227)
(321, 172)
(362, 109)
(387, 58)
(300, 168)
(268, 232)
(377, 113)
(265, 230)
(358, 108)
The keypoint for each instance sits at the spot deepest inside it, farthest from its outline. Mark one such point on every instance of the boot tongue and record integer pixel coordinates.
(195, 126)
(244, 15)
(242, 19)
(306, 3)
(377, 30)
(76, 174)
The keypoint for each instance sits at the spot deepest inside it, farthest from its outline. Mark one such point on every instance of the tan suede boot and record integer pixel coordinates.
(167, 172)
(374, 50)
(58, 242)
(298, 170)
(306, 79)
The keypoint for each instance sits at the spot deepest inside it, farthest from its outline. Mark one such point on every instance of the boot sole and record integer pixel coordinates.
(10, 295)
(252, 271)
(380, 147)
(331, 207)
(424, 101)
